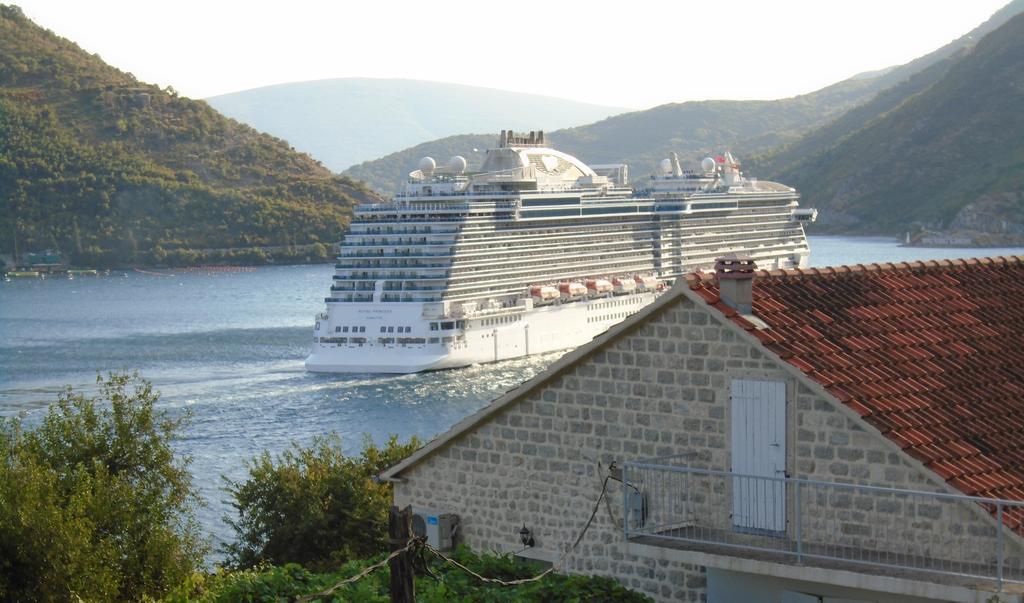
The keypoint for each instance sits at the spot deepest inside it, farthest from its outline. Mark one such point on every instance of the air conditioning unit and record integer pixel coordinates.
(439, 528)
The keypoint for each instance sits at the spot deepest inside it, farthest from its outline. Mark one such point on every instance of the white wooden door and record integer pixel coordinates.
(759, 451)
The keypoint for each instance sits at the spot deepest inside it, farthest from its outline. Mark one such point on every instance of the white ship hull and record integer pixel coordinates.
(549, 328)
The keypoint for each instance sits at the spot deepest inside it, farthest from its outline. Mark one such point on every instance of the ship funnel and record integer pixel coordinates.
(677, 169)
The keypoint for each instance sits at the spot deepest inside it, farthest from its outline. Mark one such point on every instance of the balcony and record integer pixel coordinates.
(931, 537)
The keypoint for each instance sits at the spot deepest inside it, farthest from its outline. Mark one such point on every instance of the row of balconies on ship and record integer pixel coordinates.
(453, 215)
(355, 244)
(699, 243)
(496, 243)
(357, 237)
(381, 252)
(621, 228)
(521, 247)
(422, 247)
(388, 286)
(609, 261)
(387, 297)
(443, 229)
(505, 262)
(364, 264)
(361, 231)
(440, 220)
(521, 254)
(360, 275)
(410, 206)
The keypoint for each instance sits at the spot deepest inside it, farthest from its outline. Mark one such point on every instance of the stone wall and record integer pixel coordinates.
(658, 390)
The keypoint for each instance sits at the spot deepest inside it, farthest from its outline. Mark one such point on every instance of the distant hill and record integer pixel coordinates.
(111, 170)
(642, 138)
(343, 122)
(951, 154)
(792, 128)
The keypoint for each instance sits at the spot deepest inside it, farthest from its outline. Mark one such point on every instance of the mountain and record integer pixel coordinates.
(111, 170)
(947, 153)
(792, 127)
(642, 138)
(342, 122)
(900, 83)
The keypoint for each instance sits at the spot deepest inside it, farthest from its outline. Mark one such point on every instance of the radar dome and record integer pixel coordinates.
(665, 166)
(457, 164)
(707, 164)
(427, 165)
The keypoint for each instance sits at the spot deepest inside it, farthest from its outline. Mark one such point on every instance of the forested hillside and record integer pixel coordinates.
(642, 138)
(947, 153)
(770, 136)
(113, 171)
(901, 83)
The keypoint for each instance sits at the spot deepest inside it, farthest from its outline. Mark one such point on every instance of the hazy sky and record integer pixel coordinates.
(634, 53)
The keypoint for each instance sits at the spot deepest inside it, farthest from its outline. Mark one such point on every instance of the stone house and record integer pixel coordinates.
(843, 434)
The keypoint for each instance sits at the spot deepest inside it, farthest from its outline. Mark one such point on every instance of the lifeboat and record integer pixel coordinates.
(646, 283)
(623, 285)
(571, 290)
(597, 287)
(543, 295)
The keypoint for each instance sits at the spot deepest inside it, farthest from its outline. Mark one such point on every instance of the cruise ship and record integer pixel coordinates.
(535, 252)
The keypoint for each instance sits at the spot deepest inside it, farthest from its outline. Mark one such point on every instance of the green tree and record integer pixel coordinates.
(94, 504)
(314, 506)
(319, 252)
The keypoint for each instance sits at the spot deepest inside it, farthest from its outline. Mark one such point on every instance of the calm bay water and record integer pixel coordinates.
(229, 347)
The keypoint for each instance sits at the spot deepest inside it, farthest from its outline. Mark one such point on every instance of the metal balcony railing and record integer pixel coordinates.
(888, 530)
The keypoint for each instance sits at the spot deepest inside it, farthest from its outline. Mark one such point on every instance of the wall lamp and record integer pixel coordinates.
(525, 536)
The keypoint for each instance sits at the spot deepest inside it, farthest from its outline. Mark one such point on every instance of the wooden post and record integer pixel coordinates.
(403, 589)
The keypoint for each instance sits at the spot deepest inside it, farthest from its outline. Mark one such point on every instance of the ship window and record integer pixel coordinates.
(337, 329)
(543, 202)
(461, 324)
(391, 329)
(447, 326)
(549, 213)
(433, 326)
(383, 329)
(344, 329)
(434, 340)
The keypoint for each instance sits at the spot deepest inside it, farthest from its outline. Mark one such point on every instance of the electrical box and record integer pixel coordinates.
(438, 527)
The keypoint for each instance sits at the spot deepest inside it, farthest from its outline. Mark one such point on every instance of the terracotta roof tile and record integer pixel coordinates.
(930, 353)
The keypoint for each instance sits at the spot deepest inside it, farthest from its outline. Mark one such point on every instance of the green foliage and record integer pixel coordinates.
(642, 138)
(919, 153)
(452, 585)
(93, 502)
(107, 168)
(314, 505)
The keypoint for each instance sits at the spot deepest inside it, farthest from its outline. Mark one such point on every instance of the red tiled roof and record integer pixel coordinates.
(930, 353)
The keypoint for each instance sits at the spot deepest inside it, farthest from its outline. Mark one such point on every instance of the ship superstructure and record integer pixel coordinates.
(532, 253)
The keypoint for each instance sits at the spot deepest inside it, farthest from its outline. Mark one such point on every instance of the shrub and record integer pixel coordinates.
(444, 584)
(313, 506)
(93, 502)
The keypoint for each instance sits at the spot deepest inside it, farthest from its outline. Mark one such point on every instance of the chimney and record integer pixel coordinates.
(735, 274)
